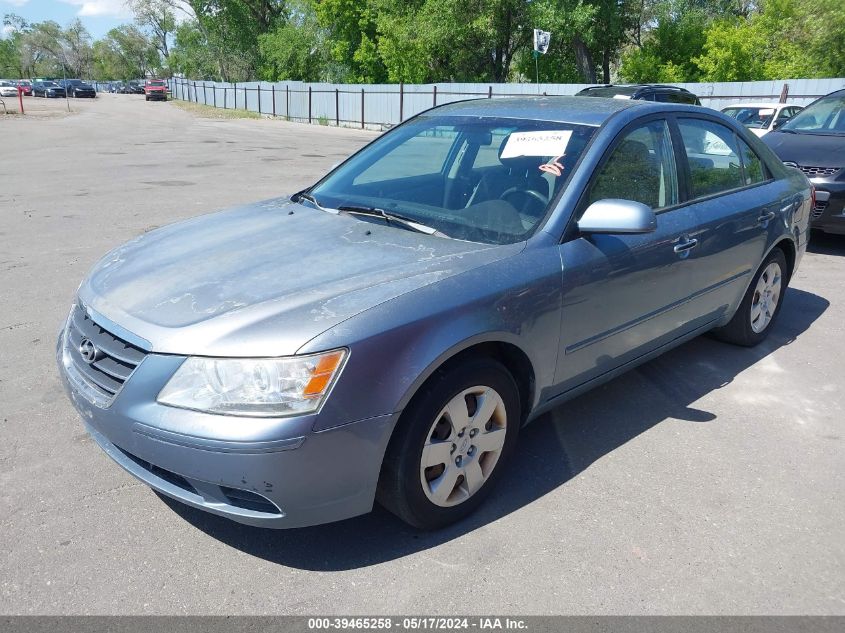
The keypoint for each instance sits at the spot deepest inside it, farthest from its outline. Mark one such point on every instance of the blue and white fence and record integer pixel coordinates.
(382, 105)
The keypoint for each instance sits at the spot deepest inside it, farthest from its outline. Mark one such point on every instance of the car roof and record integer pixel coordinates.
(634, 88)
(576, 110)
(761, 104)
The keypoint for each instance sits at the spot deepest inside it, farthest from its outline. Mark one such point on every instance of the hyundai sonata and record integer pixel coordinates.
(384, 334)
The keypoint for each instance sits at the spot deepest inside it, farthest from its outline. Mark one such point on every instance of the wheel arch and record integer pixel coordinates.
(787, 245)
(511, 355)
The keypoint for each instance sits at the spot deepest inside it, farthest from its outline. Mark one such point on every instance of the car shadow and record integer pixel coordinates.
(551, 451)
(826, 244)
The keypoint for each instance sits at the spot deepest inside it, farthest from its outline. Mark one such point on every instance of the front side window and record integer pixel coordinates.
(640, 168)
(712, 155)
(482, 179)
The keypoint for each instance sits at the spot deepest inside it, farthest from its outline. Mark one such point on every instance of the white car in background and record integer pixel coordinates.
(761, 117)
(8, 89)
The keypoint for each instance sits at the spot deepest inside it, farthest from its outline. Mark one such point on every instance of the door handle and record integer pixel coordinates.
(766, 217)
(685, 246)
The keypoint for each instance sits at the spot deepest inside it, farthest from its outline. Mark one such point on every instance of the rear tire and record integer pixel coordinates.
(451, 444)
(761, 304)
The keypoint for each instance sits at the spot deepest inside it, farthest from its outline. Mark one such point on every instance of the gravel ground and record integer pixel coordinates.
(709, 481)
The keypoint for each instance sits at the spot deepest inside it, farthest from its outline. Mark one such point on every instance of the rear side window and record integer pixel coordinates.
(640, 168)
(712, 155)
(751, 163)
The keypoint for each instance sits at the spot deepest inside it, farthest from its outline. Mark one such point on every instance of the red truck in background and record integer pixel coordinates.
(155, 89)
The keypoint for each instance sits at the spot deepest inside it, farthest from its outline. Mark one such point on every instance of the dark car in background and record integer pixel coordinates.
(642, 92)
(48, 90)
(134, 88)
(78, 88)
(814, 142)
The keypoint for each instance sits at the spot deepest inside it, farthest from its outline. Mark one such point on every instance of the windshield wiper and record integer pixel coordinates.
(390, 218)
(304, 195)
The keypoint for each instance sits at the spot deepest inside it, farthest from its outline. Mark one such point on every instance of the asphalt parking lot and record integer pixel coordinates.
(709, 481)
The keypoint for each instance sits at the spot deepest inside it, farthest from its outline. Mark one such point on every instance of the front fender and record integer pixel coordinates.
(396, 346)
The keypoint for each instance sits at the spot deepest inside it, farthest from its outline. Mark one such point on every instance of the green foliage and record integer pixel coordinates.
(295, 49)
(124, 53)
(192, 55)
(769, 44)
(351, 34)
(422, 41)
(453, 40)
(667, 49)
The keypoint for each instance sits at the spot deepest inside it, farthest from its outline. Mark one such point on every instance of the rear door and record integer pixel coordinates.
(737, 203)
(623, 294)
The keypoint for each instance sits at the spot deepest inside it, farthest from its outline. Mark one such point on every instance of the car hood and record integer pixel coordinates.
(264, 279)
(812, 150)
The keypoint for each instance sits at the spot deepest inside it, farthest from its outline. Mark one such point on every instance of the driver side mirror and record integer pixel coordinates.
(613, 215)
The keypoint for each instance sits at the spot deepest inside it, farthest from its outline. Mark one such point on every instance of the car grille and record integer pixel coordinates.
(114, 359)
(818, 172)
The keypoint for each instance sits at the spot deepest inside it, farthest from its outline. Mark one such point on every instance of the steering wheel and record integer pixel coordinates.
(535, 196)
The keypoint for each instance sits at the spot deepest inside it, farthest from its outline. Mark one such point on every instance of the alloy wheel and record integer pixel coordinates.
(766, 297)
(463, 446)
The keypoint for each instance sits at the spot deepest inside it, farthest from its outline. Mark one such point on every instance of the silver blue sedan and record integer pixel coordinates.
(384, 334)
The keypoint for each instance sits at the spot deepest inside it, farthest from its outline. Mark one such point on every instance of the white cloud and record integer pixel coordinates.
(16, 3)
(100, 8)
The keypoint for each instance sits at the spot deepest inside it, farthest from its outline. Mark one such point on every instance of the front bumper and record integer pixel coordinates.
(829, 214)
(161, 96)
(274, 473)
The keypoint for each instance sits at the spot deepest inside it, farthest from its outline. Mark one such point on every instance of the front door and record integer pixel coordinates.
(621, 293)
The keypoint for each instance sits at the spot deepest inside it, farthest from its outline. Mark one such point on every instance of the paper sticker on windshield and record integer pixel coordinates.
(552, 143)
(621, 96)
(767, 112)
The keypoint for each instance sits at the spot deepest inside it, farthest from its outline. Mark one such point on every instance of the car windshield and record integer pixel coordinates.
(752, 117)
(477, 179)
(156, 83)
(825, 116)
(50, 84)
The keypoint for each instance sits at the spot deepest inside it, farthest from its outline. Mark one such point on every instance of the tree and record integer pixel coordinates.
(192, 54)
(125, 53)
(664, 52)
(296, 48)
(11, 57)
(159, 18)
(351, 27)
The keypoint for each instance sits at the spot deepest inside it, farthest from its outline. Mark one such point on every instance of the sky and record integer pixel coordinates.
(98, 16)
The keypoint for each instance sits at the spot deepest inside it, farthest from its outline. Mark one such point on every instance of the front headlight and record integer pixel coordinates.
(261, 387)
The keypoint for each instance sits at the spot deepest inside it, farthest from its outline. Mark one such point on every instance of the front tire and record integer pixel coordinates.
(761, 304)
(450, 444)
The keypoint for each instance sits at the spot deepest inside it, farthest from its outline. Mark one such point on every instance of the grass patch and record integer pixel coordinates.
(210, 112)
